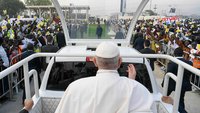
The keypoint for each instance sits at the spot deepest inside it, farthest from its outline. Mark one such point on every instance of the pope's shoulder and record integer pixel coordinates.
(88, 81)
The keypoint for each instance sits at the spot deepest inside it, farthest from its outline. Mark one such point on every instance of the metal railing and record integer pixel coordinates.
(169, 51)
(178, 78)
(18, 73)
(13, 79)
(195, 79)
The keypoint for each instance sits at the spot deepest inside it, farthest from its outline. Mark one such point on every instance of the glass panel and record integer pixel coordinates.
(99, 19)
(62, 74)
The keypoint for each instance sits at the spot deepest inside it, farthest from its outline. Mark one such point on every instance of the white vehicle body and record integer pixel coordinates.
(46, 100)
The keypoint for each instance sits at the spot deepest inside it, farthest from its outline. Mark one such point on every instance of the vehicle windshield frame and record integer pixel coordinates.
(125, 41)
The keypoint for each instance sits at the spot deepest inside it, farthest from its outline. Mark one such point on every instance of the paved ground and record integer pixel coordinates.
(13, 106)
(192, 98)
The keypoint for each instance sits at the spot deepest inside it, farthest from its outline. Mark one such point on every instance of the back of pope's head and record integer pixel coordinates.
(107, 56)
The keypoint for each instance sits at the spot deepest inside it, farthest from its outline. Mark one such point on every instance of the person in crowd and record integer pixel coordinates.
(119, 35)
(4, 63)
(73, 31)
(1, 32)
(49, 48)
(60, 37)
(139, 42)
(82, 30)
(28, 104)
(148, 50)
(99, 31)
(28, 39)
(10, 31)
(102, 94)
(3, 54)
(42, 38)
(186, 86)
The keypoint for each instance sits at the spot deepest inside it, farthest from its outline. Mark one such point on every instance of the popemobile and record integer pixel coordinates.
(74, 61)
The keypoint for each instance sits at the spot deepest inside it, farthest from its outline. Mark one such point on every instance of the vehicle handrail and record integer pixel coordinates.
(135, 18)
(27, 83)
(177, 92)
(22, 62)
(166, 81)
(181, 66)
(62, 19)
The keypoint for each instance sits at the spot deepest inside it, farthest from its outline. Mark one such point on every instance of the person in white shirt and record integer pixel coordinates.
(107, 92)
(3, 65)
(3, 55)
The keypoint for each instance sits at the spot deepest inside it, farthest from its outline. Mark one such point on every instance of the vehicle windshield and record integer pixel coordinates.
(99, 19)
(62, 74)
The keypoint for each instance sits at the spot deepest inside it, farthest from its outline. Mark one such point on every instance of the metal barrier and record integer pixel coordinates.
(15, 77)
(163, 62)
(169, 51)
(195, 79)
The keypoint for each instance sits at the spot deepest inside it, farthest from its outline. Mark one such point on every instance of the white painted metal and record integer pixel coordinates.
(26, 80)
(181, 64)
(195, 82)
(15, 66)
(48, 70)
(135, 18)
(126, 41)
(62, 18)
(35, 76)
(178, 88)
(166, 82)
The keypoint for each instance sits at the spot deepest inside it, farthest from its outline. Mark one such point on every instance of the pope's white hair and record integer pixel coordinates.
(107, 63)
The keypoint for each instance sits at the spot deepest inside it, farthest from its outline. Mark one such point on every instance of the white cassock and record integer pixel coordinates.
(107, 92)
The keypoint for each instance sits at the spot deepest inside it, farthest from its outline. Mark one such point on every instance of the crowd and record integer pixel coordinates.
(169, 35)
(181, 39)
(21, 38)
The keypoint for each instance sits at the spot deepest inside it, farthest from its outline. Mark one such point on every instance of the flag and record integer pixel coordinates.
(18, 17)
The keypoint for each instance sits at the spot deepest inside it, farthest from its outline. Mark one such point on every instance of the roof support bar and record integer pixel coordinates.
(62, 18)
(135, 18)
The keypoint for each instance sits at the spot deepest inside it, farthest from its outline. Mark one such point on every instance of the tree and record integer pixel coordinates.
(11, 7)
(37, 2)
